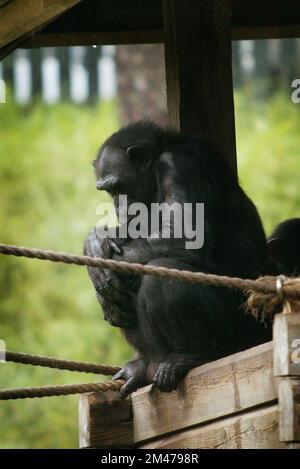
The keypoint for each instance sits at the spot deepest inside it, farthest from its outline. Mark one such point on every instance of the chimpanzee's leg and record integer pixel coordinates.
(183, 325)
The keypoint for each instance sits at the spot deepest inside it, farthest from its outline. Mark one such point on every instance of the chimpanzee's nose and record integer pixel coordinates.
(100, 184)
(107, 183)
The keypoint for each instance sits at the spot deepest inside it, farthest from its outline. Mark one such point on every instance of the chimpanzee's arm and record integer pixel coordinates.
(113, 293)
(169, 237)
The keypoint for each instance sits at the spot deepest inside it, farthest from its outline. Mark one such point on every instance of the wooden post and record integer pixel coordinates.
(105, 421)
(286, 334)
(199, 72)
(287, 369)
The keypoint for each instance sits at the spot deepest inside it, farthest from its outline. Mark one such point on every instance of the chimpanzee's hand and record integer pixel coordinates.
(112, 247)
(134, 373)
(114, 291)
(113, 295)
(116, 316)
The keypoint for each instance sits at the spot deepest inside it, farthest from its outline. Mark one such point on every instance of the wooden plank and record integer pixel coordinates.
(172, 65)
(249, 19)
(289, 409)
(292, 446)
(113, 24)
(286, 333)
(101, 38)
(252, 13)
(254, 430)
(110, 15)
(148, 37)
(265, 32)
(221, 388)
(198, 71)
(105, 421)
(20, 17)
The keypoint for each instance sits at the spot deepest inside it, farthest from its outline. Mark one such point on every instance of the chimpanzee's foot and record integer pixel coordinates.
(172, 370)
(134, 373)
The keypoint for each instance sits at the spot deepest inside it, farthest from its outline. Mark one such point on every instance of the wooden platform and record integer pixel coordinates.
(235, 402)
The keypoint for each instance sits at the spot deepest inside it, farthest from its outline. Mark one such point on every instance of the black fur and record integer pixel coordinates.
(284, 248)
(173, 325)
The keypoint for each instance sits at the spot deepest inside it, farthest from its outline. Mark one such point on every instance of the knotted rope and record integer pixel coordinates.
(265, 298)
(291, 289)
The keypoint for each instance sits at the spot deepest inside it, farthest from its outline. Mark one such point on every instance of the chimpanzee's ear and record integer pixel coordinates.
(139, 154)
(275, 248)
(94, 163)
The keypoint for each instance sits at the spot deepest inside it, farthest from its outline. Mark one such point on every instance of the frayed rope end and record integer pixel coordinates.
(264, 306)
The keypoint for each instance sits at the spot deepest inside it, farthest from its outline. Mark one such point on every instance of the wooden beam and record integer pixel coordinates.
(218, 389)
(20, 17)
(286, 333)
(110, 15)
(87, 39)
(105, 421)
(213, 391)
(289, 409)
(254, 430)
(253, 13)
(257, 19)
(198, 70)
(111, 23)
(265, 32)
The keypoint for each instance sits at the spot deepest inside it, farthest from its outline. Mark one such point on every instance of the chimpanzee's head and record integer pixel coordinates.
(284, 247)
(124, 165)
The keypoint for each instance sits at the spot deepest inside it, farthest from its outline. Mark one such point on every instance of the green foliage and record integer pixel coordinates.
(48, 200)
(268, 143)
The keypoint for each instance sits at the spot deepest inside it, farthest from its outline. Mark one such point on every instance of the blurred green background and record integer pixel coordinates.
(48, 200)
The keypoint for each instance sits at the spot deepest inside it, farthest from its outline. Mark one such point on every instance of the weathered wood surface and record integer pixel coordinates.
(134, 20)
(20, 17)
(199, 83)
(256, 429)
(218, 389)
(213, 391)
(289, 409)
(286, 333)
(105, 421)
(265, 32)
(90, 38)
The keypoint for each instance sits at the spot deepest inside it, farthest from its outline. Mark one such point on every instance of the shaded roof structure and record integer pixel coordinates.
(197, 36)
(19, 18)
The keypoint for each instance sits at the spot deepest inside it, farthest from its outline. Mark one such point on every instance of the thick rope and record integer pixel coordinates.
(60, 390)
(51, 362)
(291, 290)
(266, 305)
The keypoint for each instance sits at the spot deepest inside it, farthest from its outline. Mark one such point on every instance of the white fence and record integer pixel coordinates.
(81, 74)
(88, 74)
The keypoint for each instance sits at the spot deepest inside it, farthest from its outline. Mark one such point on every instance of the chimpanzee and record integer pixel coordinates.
(284, 248)
(173, 325)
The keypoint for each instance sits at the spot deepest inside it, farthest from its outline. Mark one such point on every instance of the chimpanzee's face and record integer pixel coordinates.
(122, 172)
